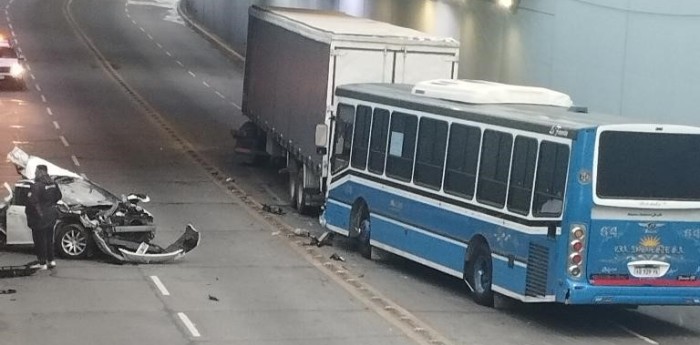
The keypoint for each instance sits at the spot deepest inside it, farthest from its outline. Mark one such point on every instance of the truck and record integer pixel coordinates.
(295, 58)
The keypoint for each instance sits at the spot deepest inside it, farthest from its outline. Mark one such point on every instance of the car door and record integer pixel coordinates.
(17, 230)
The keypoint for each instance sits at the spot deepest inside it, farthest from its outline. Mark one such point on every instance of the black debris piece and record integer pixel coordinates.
(213, 298)
(325, 239)
(273, 209)
(7, 291)
(17, 271)
(337, 257)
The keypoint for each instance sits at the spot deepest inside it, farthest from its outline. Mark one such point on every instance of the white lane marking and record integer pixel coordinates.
(43, 98)
(190, 326)
(648, 340)
(128, 15)
(220, 95)
(160, 286)
(56, 125)
(141, 28)
(179, 63)
(63, 140)
(149, 36)
(13, 35)
(83, 175)
(191, 73)
(133, 21)
(48, 110)
(235, 105)
(75, 160)
(29, 68)
(38, 88)
(168, 54)
(10, 25)
(32, 75)
(159, 45)
(206, 84)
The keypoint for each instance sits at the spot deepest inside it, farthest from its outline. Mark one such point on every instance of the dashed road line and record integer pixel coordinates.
(37, 87)
(192, 74)
(141, 28)
(645, 339)
(75, 160)
(149, 37)
(160, 286)
(235, 105)
(190, 326)
(206, 84)
(32, 75)
(220, 95)
(29, 68)
(56, 125)
(133, 21)
(43, 98)
(168, 54)
(10, 25)
(159, 45)
(48, 110)
(64, 141)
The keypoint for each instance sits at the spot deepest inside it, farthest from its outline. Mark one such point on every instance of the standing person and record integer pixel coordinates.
(42, 215)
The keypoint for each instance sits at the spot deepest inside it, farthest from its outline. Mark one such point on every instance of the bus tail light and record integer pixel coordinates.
(577, 244)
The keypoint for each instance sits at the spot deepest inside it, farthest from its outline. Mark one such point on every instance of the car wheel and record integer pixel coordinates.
(480, 275)
(72, 241)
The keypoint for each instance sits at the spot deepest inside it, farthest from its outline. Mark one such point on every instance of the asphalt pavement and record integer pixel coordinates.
(127, 94)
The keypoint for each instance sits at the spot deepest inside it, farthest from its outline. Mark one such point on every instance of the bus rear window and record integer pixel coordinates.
(648, 166)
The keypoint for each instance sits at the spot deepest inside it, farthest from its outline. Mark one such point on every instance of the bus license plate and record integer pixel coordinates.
(647, 272)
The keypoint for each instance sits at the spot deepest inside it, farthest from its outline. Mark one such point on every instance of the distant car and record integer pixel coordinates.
(89, 217)
(11, 65)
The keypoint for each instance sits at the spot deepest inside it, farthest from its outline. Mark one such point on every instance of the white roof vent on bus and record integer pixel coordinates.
(486, 92)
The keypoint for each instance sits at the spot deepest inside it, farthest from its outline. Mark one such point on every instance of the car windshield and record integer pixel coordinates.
(6, 52)
(83, 192)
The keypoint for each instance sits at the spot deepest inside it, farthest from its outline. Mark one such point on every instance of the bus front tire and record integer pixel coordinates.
(480, 275)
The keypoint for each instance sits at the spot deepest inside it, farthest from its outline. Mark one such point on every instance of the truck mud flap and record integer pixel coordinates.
(149, 253)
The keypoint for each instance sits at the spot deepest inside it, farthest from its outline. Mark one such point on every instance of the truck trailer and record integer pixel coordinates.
(295, 58)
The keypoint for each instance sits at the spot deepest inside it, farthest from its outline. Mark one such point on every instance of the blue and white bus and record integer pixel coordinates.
(541, 203)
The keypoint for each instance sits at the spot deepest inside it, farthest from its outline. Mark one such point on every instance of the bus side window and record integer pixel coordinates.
(494, 168)
(343, 137)
(402, 146)
(522, 175)
(361, 137)
(430, 153)
(377, 145)
(551, 179)
(462, 160)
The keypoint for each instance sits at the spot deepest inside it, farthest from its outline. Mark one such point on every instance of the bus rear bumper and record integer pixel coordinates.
(632, 295)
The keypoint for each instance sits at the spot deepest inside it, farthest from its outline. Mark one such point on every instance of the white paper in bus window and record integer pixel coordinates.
(396, 144)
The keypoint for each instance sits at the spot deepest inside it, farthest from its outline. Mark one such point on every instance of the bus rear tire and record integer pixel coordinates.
(480, 275)
(360, 231)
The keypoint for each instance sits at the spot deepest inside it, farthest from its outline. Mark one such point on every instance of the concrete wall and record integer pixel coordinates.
(637, 58)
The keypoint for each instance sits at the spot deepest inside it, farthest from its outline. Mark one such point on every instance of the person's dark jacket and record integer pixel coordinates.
(41, 205)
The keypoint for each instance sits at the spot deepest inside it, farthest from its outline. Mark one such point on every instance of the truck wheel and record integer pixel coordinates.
(300, 195)
(479, 274)
(72, 241)
(293, 190)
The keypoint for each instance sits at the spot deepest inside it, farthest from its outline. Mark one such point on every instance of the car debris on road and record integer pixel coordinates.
(89, 216)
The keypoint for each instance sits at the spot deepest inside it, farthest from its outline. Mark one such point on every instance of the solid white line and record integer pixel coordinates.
(168, 54)
(43, 98)
(160, 286)
(48, 110)
(75, 160)
(190, 326)
(219, 94)
(191, 73)
(206, 84)
(37, 87)
(63, 140)
(648, 340)
(179, 63)
(55, 124)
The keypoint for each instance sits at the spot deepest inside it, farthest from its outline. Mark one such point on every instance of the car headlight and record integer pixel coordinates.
(16, 70)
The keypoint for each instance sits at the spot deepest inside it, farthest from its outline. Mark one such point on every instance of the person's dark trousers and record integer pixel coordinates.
(43, 244)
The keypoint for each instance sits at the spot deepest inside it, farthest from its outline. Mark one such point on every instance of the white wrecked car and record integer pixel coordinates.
(89, 217)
